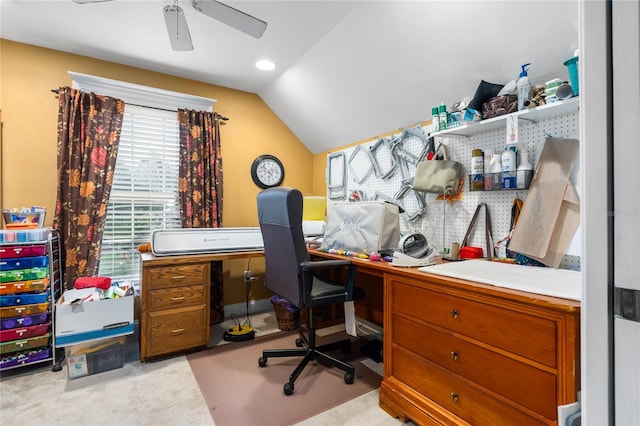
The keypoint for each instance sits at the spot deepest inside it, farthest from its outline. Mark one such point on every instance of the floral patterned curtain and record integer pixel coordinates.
(200, 186)
(89, 128)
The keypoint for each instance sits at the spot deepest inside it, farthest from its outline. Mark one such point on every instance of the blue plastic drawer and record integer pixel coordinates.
(24, 299)
(24, 263)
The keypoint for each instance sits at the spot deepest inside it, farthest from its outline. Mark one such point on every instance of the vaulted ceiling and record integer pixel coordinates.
(345, 70)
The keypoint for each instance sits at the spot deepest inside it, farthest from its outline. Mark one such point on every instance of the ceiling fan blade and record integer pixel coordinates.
(89, 1)
(177, 28)
(232, 17)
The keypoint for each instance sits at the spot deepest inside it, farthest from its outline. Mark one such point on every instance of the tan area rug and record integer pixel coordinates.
(239, 392)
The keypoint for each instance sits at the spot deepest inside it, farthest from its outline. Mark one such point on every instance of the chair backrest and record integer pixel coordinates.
(280, 218)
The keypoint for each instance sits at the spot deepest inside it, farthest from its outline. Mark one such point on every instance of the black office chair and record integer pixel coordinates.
(290, 274)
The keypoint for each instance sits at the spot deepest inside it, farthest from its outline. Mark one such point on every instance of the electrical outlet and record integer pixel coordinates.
(247, 276)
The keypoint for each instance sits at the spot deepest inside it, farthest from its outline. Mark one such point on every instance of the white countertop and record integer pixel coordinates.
(548, 281)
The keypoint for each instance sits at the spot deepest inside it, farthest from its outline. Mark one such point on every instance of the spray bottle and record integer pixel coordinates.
(523, 87)
(509, 167)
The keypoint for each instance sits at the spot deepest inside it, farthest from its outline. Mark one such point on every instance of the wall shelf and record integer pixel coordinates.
(533, 114)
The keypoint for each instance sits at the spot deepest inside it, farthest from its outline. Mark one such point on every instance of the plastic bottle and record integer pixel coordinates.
(495, 168)
(508, 168)
(435, 120)
(524, 172)
(477, 170)
(488, 177)
(523, 87)
(443, 117)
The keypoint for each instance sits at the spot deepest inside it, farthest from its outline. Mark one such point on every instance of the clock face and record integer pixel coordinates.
(267, 171)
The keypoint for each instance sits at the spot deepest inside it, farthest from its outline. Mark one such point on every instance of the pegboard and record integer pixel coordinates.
(372, 174)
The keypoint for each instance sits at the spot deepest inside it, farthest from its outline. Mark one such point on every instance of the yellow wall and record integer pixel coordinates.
(29, 118)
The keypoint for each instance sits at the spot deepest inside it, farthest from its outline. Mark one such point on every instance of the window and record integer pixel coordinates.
(144, 195)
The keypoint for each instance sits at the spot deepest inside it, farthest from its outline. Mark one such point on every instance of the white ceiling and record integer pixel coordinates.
(345, 70)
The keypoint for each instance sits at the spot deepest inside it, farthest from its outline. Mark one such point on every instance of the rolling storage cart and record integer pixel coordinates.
(30, 283)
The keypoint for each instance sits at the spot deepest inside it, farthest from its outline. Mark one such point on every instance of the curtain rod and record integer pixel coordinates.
(221, 117)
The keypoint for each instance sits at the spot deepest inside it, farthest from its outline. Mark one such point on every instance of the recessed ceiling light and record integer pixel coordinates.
(265, 65)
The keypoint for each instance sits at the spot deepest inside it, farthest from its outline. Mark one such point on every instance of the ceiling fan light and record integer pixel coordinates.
(233, 17)
(265, 65)
(177, 28)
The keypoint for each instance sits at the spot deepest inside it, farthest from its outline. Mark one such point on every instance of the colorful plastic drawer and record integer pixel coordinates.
(24, 299)
(11, 252)
(24, 286)
(24, 263)
(25, 357)
(17, 235)
(17, 311)
(24, 344)
(23, 274)
(24, 332)
(25, 321)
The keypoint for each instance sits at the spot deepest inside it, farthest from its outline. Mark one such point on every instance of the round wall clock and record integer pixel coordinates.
(267, 171)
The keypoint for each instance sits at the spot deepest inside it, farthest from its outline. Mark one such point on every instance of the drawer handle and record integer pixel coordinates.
(178, 278)
(177, 332)
(454, 313)
(177, 299)
(454, 355)
(454, 397)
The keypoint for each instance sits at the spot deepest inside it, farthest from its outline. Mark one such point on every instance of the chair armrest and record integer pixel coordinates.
(309, 269)
(323, 264)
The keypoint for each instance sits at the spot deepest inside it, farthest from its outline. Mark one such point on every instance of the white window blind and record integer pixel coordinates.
(144, 195)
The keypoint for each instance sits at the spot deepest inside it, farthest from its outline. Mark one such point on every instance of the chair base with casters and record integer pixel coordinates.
(310, 352)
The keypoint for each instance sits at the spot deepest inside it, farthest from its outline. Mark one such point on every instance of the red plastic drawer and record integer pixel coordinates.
(10, 252)
(23, 332)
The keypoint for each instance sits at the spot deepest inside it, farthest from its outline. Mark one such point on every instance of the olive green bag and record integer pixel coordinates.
(438, 176)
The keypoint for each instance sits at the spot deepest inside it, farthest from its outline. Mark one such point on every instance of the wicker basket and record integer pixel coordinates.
(287, 320)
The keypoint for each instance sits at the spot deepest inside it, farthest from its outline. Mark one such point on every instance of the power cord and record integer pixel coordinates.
(242, 331)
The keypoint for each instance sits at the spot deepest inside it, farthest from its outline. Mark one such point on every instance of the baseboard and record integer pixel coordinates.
(240, 309)
(364, 328)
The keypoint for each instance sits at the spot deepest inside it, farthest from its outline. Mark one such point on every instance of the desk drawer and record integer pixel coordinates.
(456, 396)
(178, 275)
(526, 335)
(516, 381)
(176, 297)
(177, 329)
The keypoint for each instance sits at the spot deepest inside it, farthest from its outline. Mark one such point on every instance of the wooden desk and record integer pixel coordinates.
(458, 352)
(175, 301)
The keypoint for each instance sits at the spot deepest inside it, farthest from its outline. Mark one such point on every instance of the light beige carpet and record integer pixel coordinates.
(239, 392)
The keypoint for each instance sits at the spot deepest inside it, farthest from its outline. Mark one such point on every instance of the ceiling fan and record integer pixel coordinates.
(177, 23)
